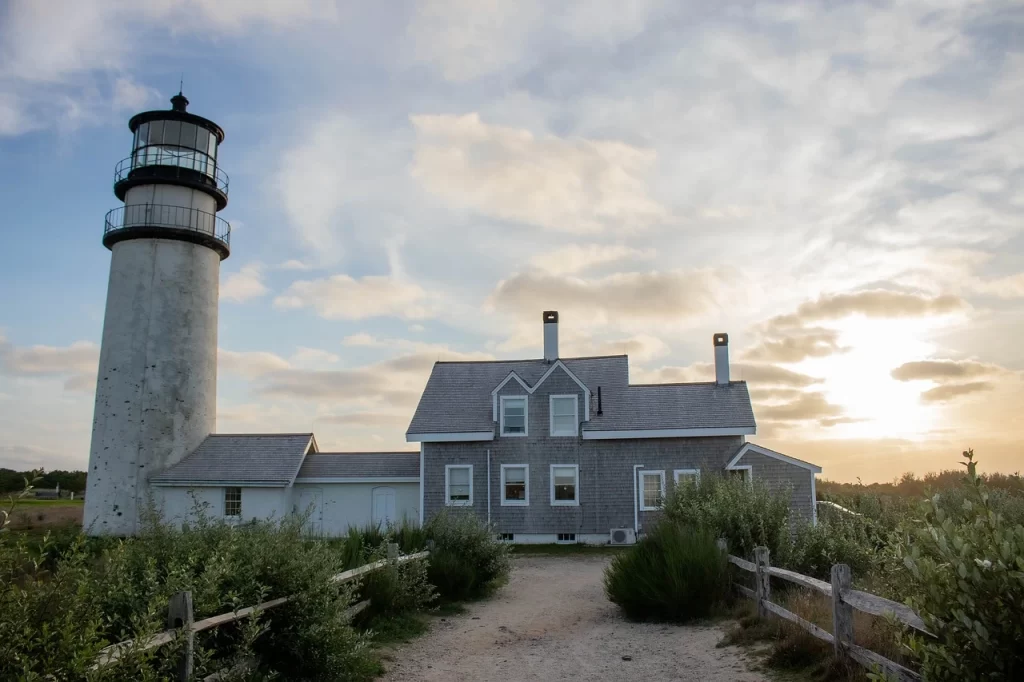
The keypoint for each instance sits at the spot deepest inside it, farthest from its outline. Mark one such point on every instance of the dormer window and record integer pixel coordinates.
(513, 415)
(565, 415)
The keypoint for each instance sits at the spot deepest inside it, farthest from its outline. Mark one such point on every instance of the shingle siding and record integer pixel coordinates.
(780, 475)
(605, 466)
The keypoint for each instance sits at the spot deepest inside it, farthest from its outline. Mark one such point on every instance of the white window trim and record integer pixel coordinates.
(515, 503)
(551, 477)
(225, 499)
(575, 418)
(644, 473)
(744, 467)
(526, 416)
(688, 472)
(447, 486)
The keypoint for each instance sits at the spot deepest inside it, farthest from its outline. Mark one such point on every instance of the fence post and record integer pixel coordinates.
(179, 615)
(842, 613)
(392, 550)
(723, 545)
(762, 579)
(430, 545)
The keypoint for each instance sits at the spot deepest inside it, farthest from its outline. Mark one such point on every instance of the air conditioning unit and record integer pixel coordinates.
(622, 536)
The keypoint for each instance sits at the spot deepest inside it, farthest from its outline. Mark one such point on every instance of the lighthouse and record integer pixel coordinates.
(156, 392)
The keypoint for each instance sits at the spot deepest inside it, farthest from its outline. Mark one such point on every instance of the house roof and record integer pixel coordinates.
(270, 460)
(361, 465)
(457, 399)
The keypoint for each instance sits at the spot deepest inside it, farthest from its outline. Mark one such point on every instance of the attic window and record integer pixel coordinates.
(232, 501)
(513, 415)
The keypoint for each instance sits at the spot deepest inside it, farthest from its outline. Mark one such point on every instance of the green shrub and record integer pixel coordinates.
(395, 589)
(673, 574)
(835, 540)
(968, 586)
(467, 561)
(747, 516)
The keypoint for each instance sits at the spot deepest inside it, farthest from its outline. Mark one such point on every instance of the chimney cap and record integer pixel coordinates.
(721, 339)
(550, 316)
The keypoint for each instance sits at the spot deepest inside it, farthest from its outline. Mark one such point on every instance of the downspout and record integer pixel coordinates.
(488, 487)
(636, 499)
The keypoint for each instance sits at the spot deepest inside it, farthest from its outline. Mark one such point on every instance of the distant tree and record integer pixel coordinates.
(12, 481)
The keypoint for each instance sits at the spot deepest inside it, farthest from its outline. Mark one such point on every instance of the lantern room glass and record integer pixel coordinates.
(175, 143)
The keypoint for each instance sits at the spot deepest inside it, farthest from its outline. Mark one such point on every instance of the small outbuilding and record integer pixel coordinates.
(243, 477)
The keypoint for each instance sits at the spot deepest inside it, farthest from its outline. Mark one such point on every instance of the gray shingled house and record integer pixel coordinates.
(567, 450)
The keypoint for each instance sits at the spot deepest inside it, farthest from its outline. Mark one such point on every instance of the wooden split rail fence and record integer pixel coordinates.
(180, 619)
(844, 600)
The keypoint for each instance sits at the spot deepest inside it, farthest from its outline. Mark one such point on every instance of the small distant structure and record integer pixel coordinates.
(47, 493)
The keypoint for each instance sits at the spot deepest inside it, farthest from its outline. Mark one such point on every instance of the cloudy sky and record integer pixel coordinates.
(836, 185)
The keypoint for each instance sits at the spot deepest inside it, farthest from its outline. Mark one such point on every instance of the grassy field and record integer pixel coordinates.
(50, 503)
(33, 515)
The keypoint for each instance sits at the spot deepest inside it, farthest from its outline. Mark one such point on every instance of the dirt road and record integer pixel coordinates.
(553, 622)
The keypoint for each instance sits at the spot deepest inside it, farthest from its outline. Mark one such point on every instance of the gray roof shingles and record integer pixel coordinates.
(343, 465)
(457, 398)
(252, 459)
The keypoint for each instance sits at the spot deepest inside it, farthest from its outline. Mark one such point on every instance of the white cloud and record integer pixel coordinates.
(249, 364)
(564, 184)
(342, 297)
(244, 285)
(575, 258)
(294, 264)
(667, 296)
(77, 362)
(132, 96)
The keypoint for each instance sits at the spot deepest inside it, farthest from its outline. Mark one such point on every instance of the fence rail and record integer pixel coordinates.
(844, 600)
(179, 616)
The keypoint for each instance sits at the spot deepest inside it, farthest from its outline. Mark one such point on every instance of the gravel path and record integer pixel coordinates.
(553, 622)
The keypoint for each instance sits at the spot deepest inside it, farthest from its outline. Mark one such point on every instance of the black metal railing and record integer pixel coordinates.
(194, 163)
(170, 217)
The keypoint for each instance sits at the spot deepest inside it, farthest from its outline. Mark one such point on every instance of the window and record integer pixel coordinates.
(232, 501)
(565, 484)
(743, 473)
(506, 537)
(564, 415)
(458, 485)
(566, 537)
(684, 476)
(652, 490)
(513, 415)
(515, 485)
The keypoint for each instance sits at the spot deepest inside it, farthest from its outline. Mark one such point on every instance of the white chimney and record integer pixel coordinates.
(550, 335)
(722, 359)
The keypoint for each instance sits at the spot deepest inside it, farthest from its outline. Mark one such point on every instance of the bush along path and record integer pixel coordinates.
(61, 605)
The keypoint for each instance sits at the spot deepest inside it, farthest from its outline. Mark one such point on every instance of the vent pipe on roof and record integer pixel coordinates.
(722, 359)
(550, 335)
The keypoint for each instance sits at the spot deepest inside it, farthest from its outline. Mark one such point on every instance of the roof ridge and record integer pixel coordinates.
(686, 383)
(494, 362)
(260, 435)
(369, 452)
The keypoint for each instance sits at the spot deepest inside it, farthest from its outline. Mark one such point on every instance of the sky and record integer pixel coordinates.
(836, 185)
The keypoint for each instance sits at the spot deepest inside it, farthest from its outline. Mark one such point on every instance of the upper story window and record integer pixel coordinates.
(565, 412)
(232, 501)
(458, 485)
(513, 415)
(687, 476)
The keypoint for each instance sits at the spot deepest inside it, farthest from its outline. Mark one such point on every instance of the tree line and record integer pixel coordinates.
(13, 481)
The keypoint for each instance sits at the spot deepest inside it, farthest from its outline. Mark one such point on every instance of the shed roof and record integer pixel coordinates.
(270, 460)
(360, 465)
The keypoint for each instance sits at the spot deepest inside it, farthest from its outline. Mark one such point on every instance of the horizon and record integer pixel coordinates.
(837, 188)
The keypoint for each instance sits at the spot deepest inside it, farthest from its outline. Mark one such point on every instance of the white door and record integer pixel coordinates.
(311, 504)
(383, 506)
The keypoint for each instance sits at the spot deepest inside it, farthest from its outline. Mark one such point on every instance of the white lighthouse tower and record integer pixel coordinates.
(156, 396)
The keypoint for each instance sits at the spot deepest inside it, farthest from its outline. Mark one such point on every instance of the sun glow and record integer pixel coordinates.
(859, 380)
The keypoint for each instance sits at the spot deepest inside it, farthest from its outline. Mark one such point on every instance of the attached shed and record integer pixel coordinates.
(242, 477)
(339, 490)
